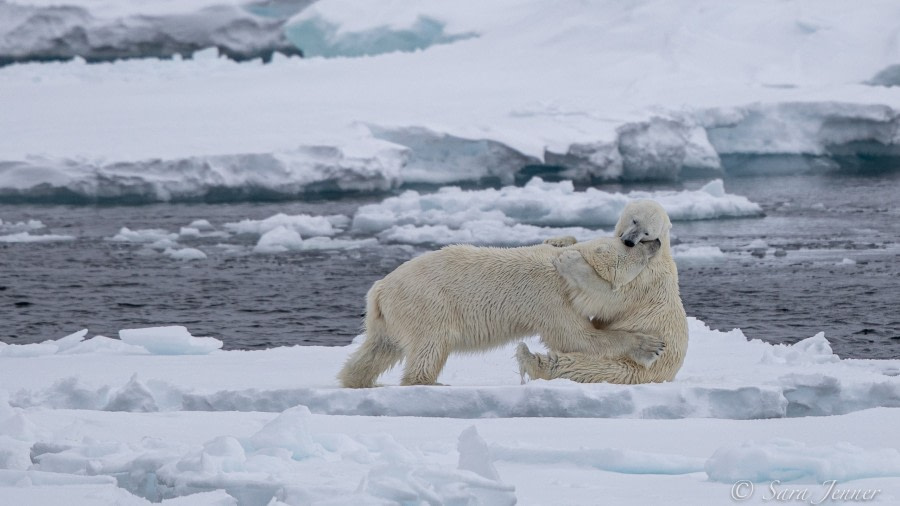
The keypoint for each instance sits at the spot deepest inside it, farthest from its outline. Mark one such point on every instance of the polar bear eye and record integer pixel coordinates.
(646, 233)
(634, 222)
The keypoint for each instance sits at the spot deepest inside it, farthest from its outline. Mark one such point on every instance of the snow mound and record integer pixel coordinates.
(521, 215)
(787, 460)
(61, 32)
(174, 340)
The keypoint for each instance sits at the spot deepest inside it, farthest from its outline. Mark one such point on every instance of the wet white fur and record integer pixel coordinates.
(466, 299)
(653, 307)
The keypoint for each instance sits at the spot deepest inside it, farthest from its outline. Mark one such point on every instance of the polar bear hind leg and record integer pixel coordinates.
(378, 353)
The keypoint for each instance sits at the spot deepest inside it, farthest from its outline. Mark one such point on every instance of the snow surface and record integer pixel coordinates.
(458, 92)
(149, 420)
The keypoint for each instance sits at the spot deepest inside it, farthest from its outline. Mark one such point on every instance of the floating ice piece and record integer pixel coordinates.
(174, 340)
(303, 224)
(27, 237)
(20, 226)
(279, 240)
(282, 239)
(159, 238)
(201, 224)
(490, 216)
(787, 460)
(185, 254)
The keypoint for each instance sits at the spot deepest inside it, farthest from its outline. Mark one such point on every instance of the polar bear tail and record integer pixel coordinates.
(377, 354)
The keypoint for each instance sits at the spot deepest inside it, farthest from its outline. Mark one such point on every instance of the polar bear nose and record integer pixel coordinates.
(628, 242)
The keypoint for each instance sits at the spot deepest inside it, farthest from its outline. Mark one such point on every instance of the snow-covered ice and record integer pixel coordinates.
(152, 420)
(105, 31)
(457, 92)
(406, 93)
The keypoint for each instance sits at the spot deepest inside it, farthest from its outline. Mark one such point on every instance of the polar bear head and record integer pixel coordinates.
(643, 221)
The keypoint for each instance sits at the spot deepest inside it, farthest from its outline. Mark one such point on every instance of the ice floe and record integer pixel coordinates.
(444, 112)
(260, 426)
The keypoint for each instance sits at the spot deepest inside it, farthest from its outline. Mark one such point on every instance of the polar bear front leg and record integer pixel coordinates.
(643, 349)
(578, 367)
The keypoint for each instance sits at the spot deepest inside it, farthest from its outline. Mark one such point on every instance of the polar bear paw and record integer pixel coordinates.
(648, 350)
(572, 266)
(561, 242)
(534, 365)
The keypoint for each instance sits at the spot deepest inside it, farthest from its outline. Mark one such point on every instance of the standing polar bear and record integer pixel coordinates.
(653, 307)
(466, 298)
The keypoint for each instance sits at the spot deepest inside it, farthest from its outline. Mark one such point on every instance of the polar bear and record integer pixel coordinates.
(466, 298)
(652, 301)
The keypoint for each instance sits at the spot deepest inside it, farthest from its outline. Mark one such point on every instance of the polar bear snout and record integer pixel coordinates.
(633, 235)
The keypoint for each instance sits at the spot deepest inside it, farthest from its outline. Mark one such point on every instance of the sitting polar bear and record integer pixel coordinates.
(466, 298)
(652, 301)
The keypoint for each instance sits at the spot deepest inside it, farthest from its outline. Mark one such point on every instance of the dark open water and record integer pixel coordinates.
(48, 290)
